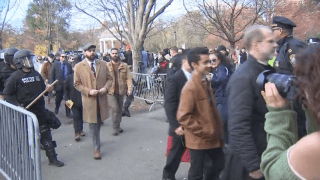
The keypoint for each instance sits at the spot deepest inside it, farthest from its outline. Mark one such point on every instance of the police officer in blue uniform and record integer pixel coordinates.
(7, 67)
(21, 88)
(289, 46)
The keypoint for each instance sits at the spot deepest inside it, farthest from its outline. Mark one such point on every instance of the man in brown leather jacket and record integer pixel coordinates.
(121, 86)
(198, 116)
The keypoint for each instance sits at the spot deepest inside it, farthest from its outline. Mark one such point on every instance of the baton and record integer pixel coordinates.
(40, 95)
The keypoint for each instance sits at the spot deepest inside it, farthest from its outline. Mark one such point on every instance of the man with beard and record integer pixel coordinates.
(247, 108)
(122, 85)
(92, 78)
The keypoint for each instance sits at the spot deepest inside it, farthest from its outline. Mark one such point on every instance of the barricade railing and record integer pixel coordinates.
(20, 143)
(150, 88)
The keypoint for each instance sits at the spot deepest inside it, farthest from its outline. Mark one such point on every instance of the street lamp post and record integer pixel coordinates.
(175, 38)
(121, 39)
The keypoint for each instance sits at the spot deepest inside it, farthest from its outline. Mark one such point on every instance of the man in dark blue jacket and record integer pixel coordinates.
(247, 108)
(60, 70)
(172, 98)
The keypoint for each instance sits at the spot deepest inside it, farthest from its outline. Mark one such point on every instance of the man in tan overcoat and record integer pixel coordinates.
(92, 78)
(121, 86)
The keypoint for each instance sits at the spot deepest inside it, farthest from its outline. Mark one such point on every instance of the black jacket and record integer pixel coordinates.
(172, 98)
(71, 93)
(247, 108)
(56, 74)
(288, 48)
(175, 63)
(5, 72)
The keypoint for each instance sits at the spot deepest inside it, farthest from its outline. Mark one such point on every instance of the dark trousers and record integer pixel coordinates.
(128, 101)
(59, 98)
(77, 118)
(206, 164)
(223, 111)
(301, 119)
(174, 157)
(234, 169)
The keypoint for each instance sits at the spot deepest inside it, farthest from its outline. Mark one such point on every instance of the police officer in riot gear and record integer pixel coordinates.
(22, 87)
(7, 67)
(289, 46)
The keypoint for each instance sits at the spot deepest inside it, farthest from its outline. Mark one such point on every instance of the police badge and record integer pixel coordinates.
(292, 58)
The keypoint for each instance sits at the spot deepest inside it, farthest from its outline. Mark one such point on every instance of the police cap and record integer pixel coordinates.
(283, 22)
(88, 46)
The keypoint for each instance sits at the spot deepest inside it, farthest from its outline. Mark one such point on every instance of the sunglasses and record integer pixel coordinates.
(63, 56)
(213, 60)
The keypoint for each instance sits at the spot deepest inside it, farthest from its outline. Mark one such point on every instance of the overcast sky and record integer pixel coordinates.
(79, 22)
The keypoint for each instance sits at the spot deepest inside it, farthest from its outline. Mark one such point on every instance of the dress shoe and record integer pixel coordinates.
(120, 130)
(115, 133)
(69, 115)
(126, 112)
(82, 133)
(77, 137)
(168, 178)
(96, 154)
(56, 111)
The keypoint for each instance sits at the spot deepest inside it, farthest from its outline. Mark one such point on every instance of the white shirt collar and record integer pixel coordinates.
(89, 63)
(187, 74)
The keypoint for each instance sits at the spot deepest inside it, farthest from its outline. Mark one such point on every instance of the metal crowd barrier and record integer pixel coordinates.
(19, 143)
(150, 88)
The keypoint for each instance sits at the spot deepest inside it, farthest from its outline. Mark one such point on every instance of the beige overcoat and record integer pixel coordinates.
(84, 81)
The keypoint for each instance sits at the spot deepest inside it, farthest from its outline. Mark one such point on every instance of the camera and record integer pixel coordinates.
(286, 84)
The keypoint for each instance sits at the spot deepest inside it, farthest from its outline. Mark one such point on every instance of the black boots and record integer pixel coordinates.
(125, 112)
(52, 156)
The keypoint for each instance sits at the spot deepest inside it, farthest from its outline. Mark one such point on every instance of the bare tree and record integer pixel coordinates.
(5, 8)
(226, 19)
(132, 18)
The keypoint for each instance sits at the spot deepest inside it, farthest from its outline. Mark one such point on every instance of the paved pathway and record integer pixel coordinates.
(136, 154)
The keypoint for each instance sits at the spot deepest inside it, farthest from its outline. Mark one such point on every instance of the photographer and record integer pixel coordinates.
(285, 156)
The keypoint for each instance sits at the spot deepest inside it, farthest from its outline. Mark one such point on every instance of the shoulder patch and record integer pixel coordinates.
(292, 58)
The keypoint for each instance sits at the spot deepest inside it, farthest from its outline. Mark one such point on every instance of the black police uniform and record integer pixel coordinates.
(285, 61)
(288, 48)
(5, 72)
(21, 89)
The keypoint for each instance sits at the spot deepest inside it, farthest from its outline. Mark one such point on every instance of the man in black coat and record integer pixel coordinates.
(75, 96)
(60, 71)
(247, 108)
(172, 98)
(175, 62)
(289, 46)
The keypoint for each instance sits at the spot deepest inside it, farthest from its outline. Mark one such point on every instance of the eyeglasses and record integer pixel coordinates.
(213, 60)
(274, 29)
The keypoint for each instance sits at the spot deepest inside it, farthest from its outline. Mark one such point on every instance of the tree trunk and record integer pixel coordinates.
(1, 47)
(136, 56)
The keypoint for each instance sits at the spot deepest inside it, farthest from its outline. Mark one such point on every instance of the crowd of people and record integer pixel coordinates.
(233, 129)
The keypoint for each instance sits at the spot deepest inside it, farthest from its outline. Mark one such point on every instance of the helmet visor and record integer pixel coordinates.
(28, 61)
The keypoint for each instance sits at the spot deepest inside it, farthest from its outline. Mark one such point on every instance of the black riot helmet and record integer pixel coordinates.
(2, 55)
(8, 55)
(24, 58)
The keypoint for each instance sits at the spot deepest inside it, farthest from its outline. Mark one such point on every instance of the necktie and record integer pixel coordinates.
(92, 69)
(63, 71)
